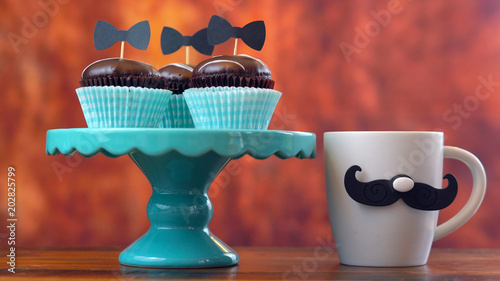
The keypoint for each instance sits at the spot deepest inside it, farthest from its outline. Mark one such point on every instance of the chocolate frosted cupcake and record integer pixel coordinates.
(122, 93)
(121, 72)
(177, 79)
(232, 92)
(232, 71)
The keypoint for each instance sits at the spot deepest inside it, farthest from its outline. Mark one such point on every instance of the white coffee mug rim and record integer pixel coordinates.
(383, 132)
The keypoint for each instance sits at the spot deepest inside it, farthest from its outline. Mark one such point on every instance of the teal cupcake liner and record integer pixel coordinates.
(123, 107)
(241, 108)
(177, 114)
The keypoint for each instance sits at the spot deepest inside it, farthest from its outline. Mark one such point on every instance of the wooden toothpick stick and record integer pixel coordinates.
(121, 51)
(235, 46)
(187, 55)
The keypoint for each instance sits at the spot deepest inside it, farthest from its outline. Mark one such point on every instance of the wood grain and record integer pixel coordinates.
(255, 264)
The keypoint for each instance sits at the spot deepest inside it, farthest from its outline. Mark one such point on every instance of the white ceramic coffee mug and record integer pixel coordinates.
(394, 234)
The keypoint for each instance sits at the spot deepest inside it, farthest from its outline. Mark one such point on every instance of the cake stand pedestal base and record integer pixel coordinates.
(183, 248)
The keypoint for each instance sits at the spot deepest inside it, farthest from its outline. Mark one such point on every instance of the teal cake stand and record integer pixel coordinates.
(180, 164)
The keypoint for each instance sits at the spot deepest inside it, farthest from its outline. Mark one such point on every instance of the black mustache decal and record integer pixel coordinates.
(382, 192)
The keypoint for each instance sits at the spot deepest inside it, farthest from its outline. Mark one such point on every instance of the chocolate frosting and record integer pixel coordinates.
(121, 72)
(232, 70)
(176, 71)
(177, 76)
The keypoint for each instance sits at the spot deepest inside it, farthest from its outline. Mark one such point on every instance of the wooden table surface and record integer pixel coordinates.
(255, 264)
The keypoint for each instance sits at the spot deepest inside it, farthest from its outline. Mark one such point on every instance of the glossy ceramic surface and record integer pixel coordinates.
(114, 142)
(397, 234)
(180, 164)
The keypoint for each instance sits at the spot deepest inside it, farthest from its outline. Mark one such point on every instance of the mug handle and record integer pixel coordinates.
(476, 197)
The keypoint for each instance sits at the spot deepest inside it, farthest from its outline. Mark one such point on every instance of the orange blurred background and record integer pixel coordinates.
(341, 65)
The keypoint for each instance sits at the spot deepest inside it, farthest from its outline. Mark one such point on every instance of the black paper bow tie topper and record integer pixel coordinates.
(419, 196)
(105, 35)
(220, 30)
(172, 40)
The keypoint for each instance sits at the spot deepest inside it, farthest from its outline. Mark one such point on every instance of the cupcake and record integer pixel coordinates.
(177, 79)
(232, 92)
(121, 93)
